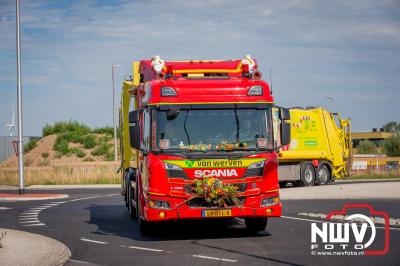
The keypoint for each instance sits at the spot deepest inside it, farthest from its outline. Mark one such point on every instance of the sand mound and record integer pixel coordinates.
(44, 155)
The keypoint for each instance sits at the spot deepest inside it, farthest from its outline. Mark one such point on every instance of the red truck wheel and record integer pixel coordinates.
(256, 224)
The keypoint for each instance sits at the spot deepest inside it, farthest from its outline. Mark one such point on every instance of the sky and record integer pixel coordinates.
(349, 50)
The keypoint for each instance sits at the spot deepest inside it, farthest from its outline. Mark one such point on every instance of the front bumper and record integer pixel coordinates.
(152, 214)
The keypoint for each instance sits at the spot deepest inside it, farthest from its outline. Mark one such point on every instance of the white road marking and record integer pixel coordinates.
(39, 224)
(85, 198)
(29, 221)
(30, 212)
(79, 261)
(50, 204)
(93, 241)
(5, 208)
(28, 215)
(28, 218)
(110, 195)
(376, 220)
(142, 248)
(57, 202)
(213, 258)
(318, 221)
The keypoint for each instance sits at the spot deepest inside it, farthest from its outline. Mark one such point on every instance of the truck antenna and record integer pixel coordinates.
(270, 77)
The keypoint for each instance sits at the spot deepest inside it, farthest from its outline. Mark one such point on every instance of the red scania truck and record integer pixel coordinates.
(183, 121)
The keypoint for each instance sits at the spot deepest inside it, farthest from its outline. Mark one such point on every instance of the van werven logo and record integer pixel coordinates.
(335, 238)
(189, 164)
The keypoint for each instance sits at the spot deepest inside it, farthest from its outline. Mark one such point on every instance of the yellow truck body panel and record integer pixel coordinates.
(315, 135)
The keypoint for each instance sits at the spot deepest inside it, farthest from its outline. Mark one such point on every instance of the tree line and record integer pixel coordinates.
(389, 146)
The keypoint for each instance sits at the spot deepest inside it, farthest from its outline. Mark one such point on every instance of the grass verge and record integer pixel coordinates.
(62, 175)
(377, 175)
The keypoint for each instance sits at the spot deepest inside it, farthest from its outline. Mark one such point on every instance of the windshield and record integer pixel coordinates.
(213, 129)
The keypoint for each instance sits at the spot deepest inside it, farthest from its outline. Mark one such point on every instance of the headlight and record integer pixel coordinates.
(159, 204)
(257, 165)
(175, 171)
(255, 91)
(169, 166)
(168, 91)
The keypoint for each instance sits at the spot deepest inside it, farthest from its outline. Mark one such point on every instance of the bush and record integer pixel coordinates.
(391, 146)
(104, 139)
(61, 145)
(102, 149)
(45, 155)
(78, 152)
(367, 147)
(88, 141)
(107, 130)
(30, 145)
(64, 127)
(109, 156)
(104, 130)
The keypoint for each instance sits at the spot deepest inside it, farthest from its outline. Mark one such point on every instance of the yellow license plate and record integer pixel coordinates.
(216, 213)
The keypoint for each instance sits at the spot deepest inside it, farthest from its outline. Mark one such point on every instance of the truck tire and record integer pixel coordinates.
(256, 224)
(323, 175)
(132, 209)
(307, 175)
(282, 183)
(126, 192)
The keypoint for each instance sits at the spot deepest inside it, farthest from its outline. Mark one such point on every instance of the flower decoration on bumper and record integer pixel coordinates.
(215, 192)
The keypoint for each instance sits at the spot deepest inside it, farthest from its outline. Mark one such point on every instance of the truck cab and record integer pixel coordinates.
(200, 120)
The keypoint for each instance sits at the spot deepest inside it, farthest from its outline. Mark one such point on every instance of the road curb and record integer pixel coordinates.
(23, 248)
(5, 197)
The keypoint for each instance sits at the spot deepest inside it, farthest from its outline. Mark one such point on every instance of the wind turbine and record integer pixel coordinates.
(12, 125)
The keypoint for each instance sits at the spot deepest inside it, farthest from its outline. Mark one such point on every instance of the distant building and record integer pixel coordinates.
(375, 136)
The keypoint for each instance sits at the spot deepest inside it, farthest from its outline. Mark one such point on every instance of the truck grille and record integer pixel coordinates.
(202, 203)
(254, 172)
(241, 187)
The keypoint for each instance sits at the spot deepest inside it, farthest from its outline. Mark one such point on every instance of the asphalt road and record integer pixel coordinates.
(95, 225)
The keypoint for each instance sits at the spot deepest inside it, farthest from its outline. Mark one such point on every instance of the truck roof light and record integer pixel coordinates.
(257, 75)
(255, 91)
(168, 91)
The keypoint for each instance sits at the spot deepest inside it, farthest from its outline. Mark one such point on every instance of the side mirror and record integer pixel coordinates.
(284, 114)
(134, 116)
(285, 134)
(285, 126)
(134, 136)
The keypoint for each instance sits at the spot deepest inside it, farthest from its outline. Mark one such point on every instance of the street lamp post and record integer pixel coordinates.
(114, 119)
(20, 151)
(331, 99)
